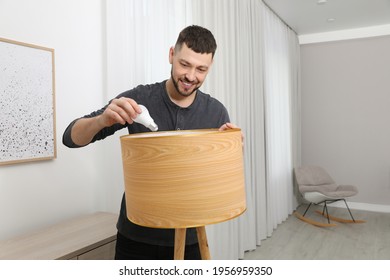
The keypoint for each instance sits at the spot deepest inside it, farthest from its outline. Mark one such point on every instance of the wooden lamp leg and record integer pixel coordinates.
(180, 242)
(203, 245)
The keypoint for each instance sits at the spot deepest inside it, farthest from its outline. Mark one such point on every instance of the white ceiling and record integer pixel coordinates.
(309, 16)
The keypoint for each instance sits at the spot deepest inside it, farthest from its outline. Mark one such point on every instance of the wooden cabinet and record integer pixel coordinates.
(90, 237)
(104, 252)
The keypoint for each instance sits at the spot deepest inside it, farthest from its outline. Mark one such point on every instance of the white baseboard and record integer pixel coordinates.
(363, 206)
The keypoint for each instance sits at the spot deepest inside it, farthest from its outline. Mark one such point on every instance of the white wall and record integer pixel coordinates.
(345, 97)
(33, 195)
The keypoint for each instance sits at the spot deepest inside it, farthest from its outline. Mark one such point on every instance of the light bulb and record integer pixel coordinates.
(145, 119)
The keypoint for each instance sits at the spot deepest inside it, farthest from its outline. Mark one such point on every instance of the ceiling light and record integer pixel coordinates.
(320, 2)
(330, 19)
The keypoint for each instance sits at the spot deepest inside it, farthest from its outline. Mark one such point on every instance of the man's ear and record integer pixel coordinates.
(171, 54)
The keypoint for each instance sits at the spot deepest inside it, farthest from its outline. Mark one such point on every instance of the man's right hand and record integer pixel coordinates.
(122, 110)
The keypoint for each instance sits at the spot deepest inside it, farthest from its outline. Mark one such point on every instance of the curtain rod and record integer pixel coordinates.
(279, 17)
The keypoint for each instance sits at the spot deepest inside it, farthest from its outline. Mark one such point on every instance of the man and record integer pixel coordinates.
(174, 104)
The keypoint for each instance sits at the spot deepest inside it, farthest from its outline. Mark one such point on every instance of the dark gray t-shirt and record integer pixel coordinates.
(204, 112)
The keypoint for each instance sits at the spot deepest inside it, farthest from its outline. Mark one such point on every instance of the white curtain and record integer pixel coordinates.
(139, 35)
(255, 74)
(280, 70)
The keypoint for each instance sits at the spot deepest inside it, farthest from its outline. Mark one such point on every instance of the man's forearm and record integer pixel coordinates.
(85, 129)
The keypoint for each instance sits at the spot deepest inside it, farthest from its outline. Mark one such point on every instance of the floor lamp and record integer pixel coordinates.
(184, 179)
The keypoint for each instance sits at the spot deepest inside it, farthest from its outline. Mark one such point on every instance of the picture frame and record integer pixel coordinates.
(27, 103)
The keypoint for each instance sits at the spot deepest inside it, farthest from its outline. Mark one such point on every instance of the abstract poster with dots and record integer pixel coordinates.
(27, 103)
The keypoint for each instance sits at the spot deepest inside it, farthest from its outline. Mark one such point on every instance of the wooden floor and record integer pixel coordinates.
(297, 240)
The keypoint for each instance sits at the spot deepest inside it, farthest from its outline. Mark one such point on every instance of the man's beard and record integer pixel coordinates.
(175, 84)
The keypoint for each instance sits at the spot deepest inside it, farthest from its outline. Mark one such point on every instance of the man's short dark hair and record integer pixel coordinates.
(198, 39)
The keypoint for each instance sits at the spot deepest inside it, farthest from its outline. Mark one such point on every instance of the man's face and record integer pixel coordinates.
(189, 69)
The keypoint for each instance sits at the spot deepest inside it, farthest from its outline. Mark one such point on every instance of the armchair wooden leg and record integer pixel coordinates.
(180, 243)
(203, 245)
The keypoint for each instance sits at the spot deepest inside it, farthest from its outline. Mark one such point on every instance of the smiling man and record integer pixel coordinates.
(174, 104)
(190, 65)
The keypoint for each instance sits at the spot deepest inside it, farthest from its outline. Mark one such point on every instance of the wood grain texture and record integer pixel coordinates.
(203, 244)
(183, 179)
(180, 243)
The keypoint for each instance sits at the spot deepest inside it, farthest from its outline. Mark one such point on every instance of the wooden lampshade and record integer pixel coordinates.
(182, 179)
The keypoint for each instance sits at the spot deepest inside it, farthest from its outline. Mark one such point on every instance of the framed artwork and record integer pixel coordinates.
(27, 103)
